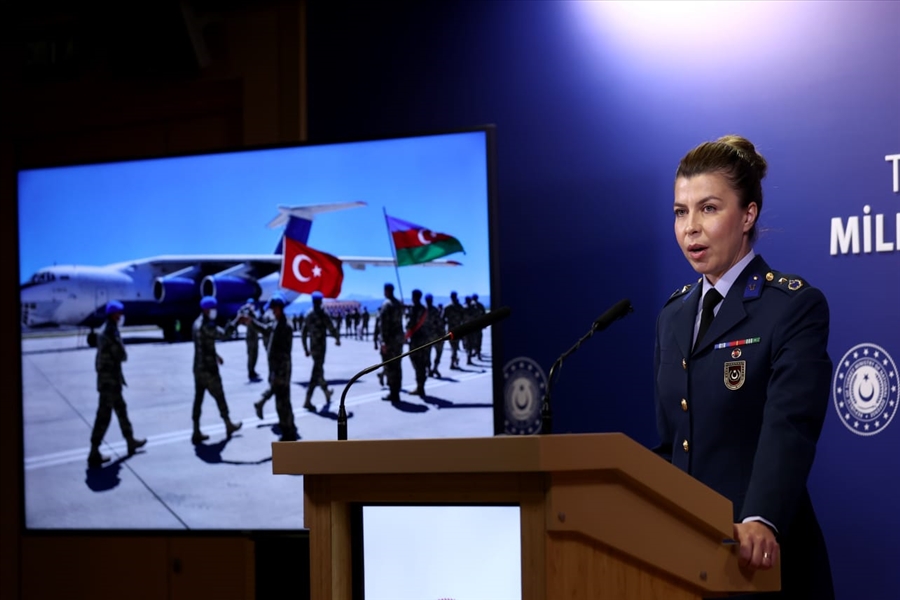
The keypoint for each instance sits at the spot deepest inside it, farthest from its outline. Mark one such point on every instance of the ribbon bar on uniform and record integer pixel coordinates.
(737, 343)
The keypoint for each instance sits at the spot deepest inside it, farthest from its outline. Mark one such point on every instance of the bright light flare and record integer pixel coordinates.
(681, 30)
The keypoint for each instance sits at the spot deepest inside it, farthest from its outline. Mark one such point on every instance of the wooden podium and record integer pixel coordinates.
(601, 516)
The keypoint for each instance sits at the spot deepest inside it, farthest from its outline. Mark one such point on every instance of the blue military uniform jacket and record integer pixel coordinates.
(743, 411)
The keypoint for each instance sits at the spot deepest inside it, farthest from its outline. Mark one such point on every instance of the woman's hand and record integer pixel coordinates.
(758, 547)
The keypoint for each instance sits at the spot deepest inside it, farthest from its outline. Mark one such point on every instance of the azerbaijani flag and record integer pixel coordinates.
(416, 244)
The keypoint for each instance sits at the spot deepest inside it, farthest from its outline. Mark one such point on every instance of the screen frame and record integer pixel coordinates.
(491, 187)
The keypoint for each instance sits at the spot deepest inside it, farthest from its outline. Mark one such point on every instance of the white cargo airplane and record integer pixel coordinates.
(165, 290)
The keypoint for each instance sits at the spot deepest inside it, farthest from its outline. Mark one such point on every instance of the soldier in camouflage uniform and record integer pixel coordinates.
(206, 367)
(454, 316)
(267, 322)
(436, 331)
(417, 335)
(364, 321)
(280, 341)
(389, 331)
(478, 311)
(469, 341)
(316, 327)
(110, 356)
(249, 310)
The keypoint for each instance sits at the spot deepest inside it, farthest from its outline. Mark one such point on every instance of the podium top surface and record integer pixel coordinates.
(517, 453)
(602, 454)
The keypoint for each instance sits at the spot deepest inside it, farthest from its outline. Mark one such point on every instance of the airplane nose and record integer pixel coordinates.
(35, 314)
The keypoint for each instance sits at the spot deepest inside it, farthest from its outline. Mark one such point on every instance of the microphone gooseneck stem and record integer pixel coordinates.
(618, 311)
(342, 411)
(546, 410)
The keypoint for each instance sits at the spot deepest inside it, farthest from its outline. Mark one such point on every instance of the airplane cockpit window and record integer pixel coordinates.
(43, 277)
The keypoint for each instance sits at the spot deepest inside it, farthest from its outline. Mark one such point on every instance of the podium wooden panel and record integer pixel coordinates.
(601, 516)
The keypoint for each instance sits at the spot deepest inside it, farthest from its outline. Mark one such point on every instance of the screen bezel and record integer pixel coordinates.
(489, 131)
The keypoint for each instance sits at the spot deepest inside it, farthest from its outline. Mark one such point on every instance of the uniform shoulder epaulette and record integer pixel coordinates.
(785, 282)
(680, 291)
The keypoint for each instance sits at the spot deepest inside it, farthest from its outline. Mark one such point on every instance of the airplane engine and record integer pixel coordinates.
(174, 289)
(229, 289)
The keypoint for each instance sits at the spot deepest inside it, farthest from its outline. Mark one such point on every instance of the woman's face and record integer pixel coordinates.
(710, 225)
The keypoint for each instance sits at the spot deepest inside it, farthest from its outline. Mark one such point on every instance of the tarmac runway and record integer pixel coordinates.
(172, 484)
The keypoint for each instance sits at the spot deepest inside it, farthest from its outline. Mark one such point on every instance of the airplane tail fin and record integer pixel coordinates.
(296, 229)
(298, 219)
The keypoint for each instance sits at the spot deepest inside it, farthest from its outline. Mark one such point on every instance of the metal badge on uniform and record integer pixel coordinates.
(753, 288)
(735, 374)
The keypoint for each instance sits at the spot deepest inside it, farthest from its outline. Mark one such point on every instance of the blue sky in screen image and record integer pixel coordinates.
(221, 204)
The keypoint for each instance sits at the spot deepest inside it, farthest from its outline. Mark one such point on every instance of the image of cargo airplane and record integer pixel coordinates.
(165, 290)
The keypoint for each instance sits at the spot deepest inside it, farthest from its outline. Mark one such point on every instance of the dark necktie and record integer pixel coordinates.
(710, 300)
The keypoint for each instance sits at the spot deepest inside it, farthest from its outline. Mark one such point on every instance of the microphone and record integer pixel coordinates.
(485, 320)
(462, 330)
(615, 312)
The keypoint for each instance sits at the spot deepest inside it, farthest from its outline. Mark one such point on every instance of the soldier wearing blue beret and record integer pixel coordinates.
(110, 380)
(389, 338)
(742, 370)
(279, 338)
(454, 316)
(206, 367)
(436, 330)
(252, 338)
(417, 334)
(314, 333)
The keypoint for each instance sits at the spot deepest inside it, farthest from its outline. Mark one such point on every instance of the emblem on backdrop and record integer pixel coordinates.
(524, 384)
(865, 389)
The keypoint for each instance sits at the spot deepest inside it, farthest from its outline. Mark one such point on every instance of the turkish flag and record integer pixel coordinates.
(306, 270)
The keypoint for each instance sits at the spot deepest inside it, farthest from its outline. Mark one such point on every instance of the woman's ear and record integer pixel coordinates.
(750, 216)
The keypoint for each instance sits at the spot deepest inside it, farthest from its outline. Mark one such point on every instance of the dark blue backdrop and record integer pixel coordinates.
(594, 105)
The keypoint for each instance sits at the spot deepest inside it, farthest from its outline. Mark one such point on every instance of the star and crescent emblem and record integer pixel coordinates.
(426, 236)
(295, 267)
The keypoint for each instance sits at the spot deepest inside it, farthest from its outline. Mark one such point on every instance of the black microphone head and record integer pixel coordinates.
(616, 311)
(485, 320)
(499, 314)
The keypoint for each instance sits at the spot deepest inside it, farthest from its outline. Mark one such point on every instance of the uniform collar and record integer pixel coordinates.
(727, 280)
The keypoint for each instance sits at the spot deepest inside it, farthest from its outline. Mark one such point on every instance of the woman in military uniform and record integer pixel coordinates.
(742, 370)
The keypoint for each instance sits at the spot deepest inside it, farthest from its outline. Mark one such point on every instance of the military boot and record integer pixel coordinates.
(231, 427)
(95, 459)
(198, 436)
(308, 405)
(134, 444)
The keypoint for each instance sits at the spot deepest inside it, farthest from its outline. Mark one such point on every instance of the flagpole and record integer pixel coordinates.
(394, 252)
